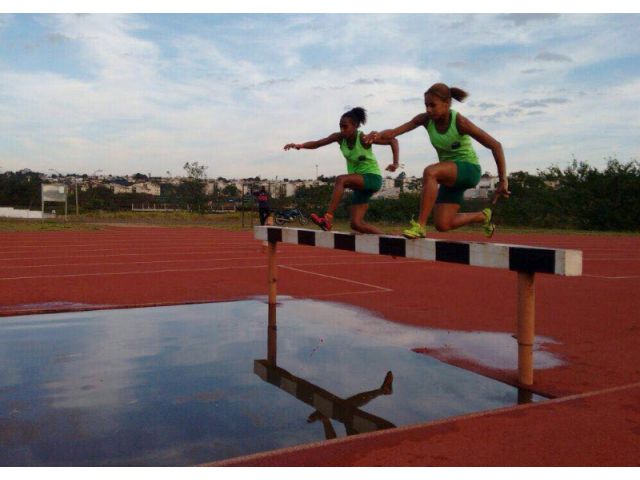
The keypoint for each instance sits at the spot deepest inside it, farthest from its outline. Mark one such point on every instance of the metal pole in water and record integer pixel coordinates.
(526, 326)
(273, 274)
(272, 337)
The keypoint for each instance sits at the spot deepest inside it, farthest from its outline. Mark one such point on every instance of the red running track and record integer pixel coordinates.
(593, 319)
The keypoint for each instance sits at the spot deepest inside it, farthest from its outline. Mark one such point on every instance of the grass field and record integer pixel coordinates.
(227, 221)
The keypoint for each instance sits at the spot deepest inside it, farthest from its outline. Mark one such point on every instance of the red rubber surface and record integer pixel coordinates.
(594, 319)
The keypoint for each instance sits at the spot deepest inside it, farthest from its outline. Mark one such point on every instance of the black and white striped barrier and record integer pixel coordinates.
(525, 260)
(519, 258)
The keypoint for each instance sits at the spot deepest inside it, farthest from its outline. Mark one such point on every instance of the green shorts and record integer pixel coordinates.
(372, 183)
(468, 177)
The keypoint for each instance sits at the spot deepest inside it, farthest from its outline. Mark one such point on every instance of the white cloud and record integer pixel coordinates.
(229, 95)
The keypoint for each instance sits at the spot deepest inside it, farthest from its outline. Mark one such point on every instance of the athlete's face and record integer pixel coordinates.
(436, 107)
(348, 128)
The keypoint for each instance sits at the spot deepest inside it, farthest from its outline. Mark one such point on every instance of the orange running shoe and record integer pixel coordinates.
(323, 222)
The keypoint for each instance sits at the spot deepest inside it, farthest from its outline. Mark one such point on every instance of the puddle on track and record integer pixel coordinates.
(190, 384)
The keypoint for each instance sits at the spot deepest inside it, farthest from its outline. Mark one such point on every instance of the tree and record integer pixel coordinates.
(20, 189)
(230, 191)
(191, 191)
(399, 181)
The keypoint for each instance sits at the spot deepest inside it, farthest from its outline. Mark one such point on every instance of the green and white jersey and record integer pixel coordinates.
(451, 146)
(359, 159)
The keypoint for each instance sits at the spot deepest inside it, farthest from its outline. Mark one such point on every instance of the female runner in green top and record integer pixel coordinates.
(363, 176)
(458, 168)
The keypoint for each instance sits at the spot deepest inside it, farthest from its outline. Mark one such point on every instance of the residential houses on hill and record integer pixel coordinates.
(277, 188)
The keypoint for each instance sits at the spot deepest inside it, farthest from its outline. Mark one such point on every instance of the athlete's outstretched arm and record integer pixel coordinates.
(417, 121)
(334, 137)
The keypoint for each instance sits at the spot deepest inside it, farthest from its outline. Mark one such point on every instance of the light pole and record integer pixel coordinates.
(77, 203)
(66, 198)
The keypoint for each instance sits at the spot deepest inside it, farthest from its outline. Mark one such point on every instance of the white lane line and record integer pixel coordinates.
(381, 262)
(183, 270)
(204, 252)
(360, 292)
(612, 259)
(151, 262)
(384, 289)
(113, 245)
(621, 277)
(138, 272)
(147, 252)
(207, 259)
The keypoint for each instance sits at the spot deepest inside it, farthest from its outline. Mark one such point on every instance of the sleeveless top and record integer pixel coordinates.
(359, 159)
(451, 146)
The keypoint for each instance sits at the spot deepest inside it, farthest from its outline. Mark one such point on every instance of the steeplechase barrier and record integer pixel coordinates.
(526, 261)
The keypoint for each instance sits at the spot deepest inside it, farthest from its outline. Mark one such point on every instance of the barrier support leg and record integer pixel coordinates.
(273, 273)
(526, 323)
(272, 337)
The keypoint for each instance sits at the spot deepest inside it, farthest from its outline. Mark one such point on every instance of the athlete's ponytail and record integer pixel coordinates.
(357, 115)
(442, 91)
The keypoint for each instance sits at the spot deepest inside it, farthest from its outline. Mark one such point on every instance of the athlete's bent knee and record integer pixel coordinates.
(429, 172)
(443, 226)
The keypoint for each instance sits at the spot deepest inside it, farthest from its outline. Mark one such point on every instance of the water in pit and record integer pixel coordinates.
(190, 384)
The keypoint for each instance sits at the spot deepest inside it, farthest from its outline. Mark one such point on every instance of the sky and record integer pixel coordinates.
(147, 92)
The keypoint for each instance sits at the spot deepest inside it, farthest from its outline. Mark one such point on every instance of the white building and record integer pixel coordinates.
(483, 190)
(117, 188)
(149, 188)
(393, 192)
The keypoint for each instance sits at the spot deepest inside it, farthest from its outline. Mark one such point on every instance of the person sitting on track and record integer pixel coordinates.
(457, 169)
(363, 176)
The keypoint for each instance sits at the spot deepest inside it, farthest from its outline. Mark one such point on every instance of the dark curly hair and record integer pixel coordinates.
(358, 116)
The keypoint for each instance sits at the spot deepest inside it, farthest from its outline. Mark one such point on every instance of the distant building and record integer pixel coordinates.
(484, 189)
(390, 192)
(149, 188)
(118, 188)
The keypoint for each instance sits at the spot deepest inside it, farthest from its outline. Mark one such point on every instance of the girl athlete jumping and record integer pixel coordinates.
(363, 176)
(458, 168)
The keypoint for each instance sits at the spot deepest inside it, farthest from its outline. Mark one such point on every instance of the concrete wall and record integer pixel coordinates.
(10, 212)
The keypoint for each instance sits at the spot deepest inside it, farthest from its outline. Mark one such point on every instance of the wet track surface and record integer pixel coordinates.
(189, 384)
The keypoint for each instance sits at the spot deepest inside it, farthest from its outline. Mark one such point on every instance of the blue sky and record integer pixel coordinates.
(129, 93)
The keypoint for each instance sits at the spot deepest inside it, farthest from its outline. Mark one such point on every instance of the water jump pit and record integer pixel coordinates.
(184, 385)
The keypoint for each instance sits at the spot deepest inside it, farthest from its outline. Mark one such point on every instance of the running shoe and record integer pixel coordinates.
(415, 231)
(488, 226)
(323, 222)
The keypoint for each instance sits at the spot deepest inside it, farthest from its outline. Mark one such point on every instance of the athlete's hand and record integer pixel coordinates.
(369, 138)
(289, 146)
(392, 167)
(502, 190)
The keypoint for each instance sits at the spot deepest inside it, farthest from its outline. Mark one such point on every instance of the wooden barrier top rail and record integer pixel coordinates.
(518, 258)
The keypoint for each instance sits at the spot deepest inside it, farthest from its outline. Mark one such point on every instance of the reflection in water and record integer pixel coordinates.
(176, 385)
(357, 400)
(525, 396)
(328, 406)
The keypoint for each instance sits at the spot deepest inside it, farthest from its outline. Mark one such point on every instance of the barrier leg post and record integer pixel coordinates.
(272, 337)
(273, 274)
(526, 323)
